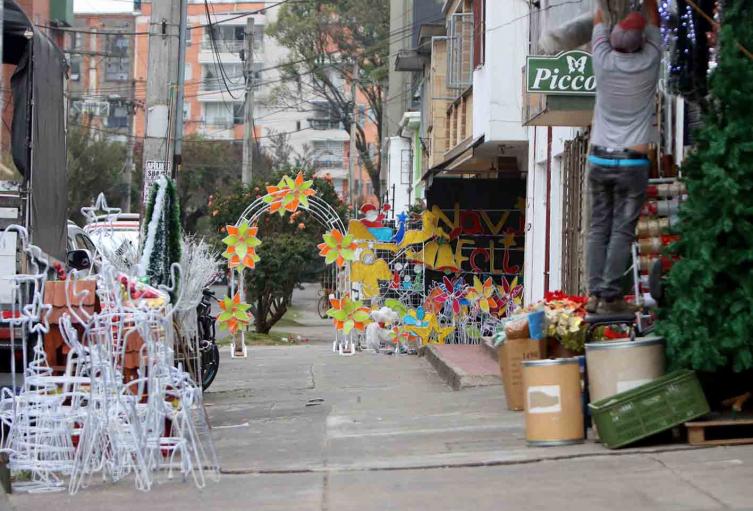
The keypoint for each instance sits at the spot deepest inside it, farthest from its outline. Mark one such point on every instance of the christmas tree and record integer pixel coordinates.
(709, 321)
(162, 232)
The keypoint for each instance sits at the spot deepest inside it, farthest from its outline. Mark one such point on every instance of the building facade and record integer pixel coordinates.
(215, 89)
(101, 86)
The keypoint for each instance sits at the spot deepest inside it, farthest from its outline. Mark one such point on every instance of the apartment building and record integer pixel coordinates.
(215, 87)
(101, 86)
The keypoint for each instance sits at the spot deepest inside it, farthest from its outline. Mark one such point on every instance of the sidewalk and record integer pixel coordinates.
(388, 433)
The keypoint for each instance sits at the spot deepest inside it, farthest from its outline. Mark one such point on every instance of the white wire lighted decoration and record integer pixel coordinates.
(94, 420)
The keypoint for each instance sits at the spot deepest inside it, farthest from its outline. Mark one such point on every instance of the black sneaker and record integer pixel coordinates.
(618, 306)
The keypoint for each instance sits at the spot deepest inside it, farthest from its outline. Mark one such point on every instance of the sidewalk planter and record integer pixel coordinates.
(619, 366)
(553, 404)
(649, 409)
(511, 355)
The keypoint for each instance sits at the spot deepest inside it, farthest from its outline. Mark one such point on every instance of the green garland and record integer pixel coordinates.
(709, 322)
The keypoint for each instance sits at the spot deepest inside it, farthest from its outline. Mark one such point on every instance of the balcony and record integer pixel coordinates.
(409, 60)
(223, 45)
(324, 124)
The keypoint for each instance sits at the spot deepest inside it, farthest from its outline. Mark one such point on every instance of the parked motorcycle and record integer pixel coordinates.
(210, 353)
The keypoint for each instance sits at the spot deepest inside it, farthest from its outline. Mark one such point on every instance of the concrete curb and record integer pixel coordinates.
(455, 376)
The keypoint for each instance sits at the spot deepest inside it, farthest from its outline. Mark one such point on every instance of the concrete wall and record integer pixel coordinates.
(398, 154)
(497, 85)
(536, 211)
(401, 38)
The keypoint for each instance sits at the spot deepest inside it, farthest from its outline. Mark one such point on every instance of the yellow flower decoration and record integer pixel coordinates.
(482, 294)
(289, 194)
(241, 244)
(234, 314)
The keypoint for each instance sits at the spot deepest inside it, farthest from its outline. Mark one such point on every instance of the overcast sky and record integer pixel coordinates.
(102, 5)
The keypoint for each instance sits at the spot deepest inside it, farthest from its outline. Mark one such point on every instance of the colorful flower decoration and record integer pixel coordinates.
(348, 314)
(337, 248)
(481, 294)
(450, 292)
(289, 194)
(416, 317)
(510, 295)
(241, 244)
(234, 314)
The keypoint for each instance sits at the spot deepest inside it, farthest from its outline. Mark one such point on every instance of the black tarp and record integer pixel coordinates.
(38, 130)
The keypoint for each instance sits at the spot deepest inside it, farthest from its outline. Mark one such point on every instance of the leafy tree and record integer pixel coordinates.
(709, 324)
(324, 40)
(288, 251)
(210, 167)
(95, 165)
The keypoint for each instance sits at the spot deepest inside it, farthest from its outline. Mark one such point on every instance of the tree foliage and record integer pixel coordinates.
(210, 167)
(288, 249)
(95, 165)
(709, 324)
(325, 39)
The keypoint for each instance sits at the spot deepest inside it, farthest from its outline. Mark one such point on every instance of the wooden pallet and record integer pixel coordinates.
(720, 432)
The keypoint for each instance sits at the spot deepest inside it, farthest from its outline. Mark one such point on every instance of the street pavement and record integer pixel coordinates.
(300, 428)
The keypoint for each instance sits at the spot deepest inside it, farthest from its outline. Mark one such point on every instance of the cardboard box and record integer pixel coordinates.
(512, 353)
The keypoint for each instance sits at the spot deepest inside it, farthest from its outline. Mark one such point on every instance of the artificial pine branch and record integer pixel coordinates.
(709, 322)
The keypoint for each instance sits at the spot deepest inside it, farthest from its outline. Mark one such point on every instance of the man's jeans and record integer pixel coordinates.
(617, 196)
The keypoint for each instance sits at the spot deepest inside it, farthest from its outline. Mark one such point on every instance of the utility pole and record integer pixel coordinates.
(353, 126)
(162, 66)
(131, 143)
(248, 114)
(178, 124)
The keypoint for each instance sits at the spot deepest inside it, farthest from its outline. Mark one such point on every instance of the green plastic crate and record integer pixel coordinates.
(649, 409)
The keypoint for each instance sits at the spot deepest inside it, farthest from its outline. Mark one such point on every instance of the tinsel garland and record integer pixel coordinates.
(164, 248)
(708, 323)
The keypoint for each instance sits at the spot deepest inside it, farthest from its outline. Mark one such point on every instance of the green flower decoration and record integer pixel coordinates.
(241, 244)
(348, 314)
(234, 314)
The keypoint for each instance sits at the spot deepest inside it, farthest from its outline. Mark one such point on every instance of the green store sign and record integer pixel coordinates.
(570, 72)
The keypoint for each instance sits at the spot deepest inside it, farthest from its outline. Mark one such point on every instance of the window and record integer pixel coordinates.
(218, 115)
(460, 50)
(328, 153)
(76, 40)
(239, 112)
(118, 62)
(212, 79)
(323, 116)
(118, 115)
(227, 38)
(406, 159)
(479, 32)
(187, 74)
(186, 111)
(75, 62)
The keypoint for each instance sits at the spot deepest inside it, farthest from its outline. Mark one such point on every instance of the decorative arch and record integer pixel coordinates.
(321, 211)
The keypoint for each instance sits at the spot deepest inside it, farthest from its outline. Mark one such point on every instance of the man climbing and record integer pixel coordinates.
(626, 65)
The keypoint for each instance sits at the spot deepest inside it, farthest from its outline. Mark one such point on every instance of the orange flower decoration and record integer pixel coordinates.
(348, 314)
(234, 314)
(337, 248)
(289, 194)
(241, 244)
